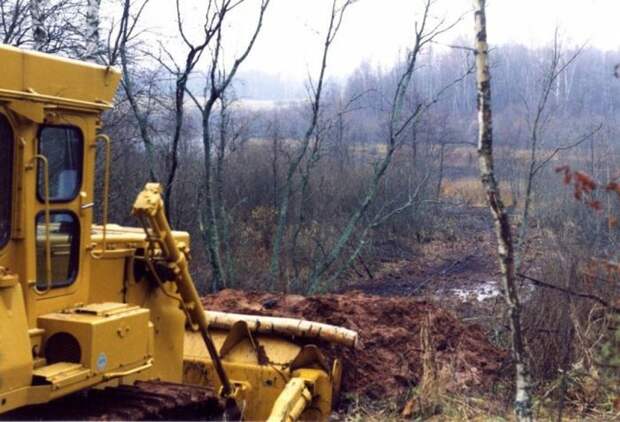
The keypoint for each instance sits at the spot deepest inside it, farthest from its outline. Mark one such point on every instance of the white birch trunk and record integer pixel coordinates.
(91, 30)
(39, 34)
(285, 326)
(503, 230)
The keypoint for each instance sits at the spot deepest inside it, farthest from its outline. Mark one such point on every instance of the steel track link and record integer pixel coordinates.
(141, 401)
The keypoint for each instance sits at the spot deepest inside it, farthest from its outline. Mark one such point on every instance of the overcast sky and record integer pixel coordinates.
(376, 31)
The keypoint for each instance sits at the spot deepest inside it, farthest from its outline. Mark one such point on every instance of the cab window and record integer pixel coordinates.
(6, 179)
(64, 233)
(62, 146)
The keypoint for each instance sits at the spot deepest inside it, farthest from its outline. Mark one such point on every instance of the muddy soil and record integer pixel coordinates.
(440, 266)
(388, 359)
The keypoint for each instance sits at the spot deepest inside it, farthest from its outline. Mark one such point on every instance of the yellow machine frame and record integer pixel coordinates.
(114, 325)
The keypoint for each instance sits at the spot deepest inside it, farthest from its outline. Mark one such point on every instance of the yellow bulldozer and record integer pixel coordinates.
(87, 307)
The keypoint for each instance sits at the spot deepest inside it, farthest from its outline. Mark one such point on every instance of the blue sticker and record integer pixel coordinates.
(102, 361)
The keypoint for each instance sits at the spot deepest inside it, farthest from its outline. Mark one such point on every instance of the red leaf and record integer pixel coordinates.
(585, 181)
(596, 205)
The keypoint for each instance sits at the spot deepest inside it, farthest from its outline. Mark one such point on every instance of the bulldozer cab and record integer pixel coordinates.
(49, 114)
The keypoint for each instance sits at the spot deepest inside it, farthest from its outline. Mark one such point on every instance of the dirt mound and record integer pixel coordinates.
(388, 360)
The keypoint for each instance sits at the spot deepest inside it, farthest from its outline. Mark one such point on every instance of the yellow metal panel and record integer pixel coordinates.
(105, 309)
(6, 279)
(31, 111)
(108, 278)
(11, 62)
(108, 341)
(46, 75)
(168, 332)
(24, 396)
(62, 374)
(278, 350)
(15, 355)
(261, 385)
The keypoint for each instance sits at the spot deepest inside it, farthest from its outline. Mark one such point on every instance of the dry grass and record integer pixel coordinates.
(453, 408)
(469, 190)
(430, 399)
(369, 150)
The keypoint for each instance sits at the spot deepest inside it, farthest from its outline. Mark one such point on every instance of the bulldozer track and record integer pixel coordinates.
(141, 401)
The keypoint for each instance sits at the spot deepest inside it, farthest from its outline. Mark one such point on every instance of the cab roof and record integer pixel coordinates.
(45, 78)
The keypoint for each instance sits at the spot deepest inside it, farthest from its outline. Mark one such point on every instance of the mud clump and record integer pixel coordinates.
(388, 360)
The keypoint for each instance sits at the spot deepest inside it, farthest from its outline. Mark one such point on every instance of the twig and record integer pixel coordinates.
(540, 283)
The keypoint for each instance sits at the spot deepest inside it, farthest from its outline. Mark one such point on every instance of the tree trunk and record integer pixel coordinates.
(39, 35)
(287, 326)
(209, 218)
(221, 212)
(128, 87)
(523, 399)
(274, 165)
(91, 31)
(442, 149)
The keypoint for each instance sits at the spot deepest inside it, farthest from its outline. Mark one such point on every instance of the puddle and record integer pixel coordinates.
(480, 292)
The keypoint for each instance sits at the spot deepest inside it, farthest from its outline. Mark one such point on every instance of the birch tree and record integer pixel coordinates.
(503, 230)
(39, 35)
(51, 26)
(43, 25)
(91, 30)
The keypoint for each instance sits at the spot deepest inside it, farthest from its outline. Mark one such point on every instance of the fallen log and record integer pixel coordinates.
(284, 326)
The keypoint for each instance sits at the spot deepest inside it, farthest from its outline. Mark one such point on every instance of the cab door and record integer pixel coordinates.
(61, 155)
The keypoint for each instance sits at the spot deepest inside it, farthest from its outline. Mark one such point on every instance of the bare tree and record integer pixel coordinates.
(503, 230)
(399, 121)
(15, 28)
(558, 65)
(118, 48)
(218, 81)
(335, 21)
(182, 73)
(125, 47)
